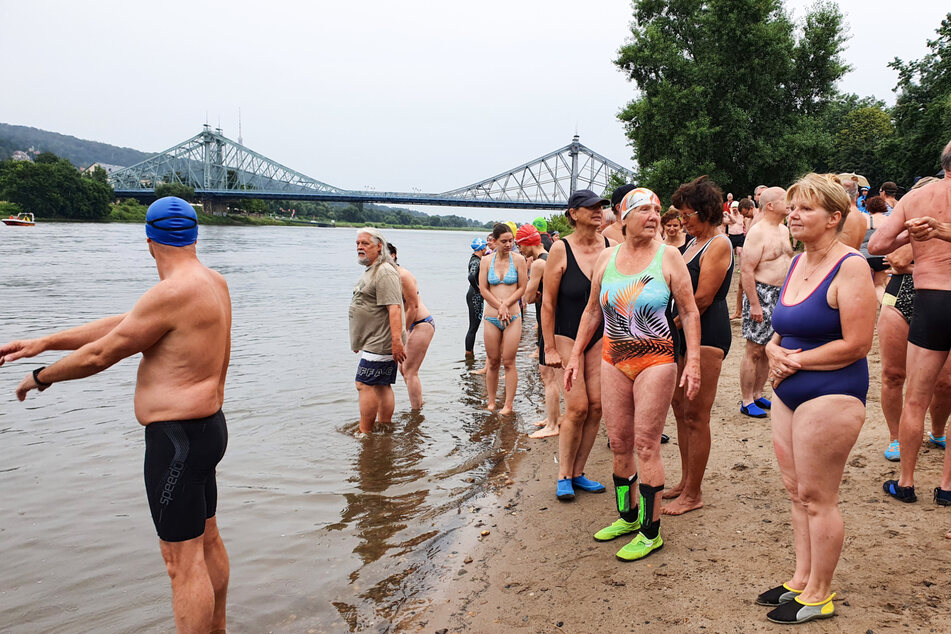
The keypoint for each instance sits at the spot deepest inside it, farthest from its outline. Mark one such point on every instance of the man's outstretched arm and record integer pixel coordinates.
(139, 330)
(70, 339)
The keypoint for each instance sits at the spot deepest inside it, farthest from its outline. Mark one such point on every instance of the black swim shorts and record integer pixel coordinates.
(930, 326)
(376, 369)
(180, 461)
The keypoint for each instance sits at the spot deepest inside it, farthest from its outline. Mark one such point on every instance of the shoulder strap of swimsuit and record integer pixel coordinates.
(569, 254)
(607, 243)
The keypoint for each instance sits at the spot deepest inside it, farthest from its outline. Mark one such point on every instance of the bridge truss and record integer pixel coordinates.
(221, 169)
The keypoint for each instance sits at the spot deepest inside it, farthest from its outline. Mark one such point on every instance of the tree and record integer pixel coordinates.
(860, 140)
(175, 189)
(923, 109)
(53, 188)
(726, 89)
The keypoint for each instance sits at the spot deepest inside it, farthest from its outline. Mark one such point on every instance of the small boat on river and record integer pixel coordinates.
(20, 220)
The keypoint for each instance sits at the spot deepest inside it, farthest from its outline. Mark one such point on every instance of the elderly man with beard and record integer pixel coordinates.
(376, 328)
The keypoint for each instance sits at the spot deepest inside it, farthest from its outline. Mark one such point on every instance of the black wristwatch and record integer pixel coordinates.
(36, 378)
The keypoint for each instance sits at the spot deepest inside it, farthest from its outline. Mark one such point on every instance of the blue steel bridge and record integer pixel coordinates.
(221, 170)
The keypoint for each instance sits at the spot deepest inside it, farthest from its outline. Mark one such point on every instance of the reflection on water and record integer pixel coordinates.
(325, 532)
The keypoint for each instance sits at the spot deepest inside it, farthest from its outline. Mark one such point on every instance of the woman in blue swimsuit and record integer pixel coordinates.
(824, 322)
(502, 281)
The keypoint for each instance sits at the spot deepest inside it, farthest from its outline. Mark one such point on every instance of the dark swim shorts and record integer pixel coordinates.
(376, 369)
(929, 323)
(180, 461)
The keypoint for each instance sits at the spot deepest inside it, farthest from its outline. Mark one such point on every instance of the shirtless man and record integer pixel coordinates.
(766, 258)
(916, 219)
(182, 327)
(856, 223)
(421, 327)
(613, 232)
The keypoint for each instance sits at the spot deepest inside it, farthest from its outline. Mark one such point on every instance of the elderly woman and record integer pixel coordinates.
(567, 287)
(630, 298)
(673, 227)
(824, 323)
(709, 257)
(502, 281)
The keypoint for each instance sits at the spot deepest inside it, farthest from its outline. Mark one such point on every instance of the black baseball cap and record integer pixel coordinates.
(585, 198)
(619, 194)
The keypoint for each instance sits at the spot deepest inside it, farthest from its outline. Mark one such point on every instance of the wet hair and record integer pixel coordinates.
(746, 203)
(876, 205)
(824, 190)
(377, 236)
(670, 214)
(392, 248)
(703, 196)
(500, 230)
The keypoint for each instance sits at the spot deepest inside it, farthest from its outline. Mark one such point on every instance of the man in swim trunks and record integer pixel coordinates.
(929, 334)
(766, 257)
(376, 328)
(613, 232)
(182, 327)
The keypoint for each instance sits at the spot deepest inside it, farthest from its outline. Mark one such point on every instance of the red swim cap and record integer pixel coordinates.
(528, 235)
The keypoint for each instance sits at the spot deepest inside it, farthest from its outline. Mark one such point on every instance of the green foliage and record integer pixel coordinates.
(558, 222)
(726, 89)
(175, 189)
(922, 110)
(9, 209)
(79, 152)
(53, 188)
(128, 210)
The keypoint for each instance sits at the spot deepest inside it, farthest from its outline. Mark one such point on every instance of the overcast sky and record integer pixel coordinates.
(389, 95)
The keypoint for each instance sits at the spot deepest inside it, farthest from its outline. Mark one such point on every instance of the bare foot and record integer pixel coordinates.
(670, 494)
(682, 505)
(505, 411)
(947, 535)
(480, 371)
(542, 423)
(735, 317)
(490, 407)
(544, 433)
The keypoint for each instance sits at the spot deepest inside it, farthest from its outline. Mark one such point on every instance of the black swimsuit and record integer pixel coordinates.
(573, 295)
(715, 321)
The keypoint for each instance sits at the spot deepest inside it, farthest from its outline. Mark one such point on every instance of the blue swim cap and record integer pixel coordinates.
(171, 221)
(477, 244)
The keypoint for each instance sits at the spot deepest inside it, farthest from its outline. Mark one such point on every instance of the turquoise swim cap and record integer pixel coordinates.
(171, 221)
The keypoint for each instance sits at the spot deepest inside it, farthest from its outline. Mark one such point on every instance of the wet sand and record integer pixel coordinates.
(539, 570)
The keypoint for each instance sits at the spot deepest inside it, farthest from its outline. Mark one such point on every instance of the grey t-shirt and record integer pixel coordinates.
(377, 288)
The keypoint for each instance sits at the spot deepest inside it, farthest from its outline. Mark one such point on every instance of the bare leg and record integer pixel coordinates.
(493, 361)
(193, 596)
(821, 446)
(510, 338)
(892, 345)
(551, 378)
(219, 570)
(416, 347)
(753, 357)
(678, 405)
(384, 396)
(576, 412)
(941, 402)
(782, 418)
(923, 368)
(697, 423)
(762, 373)
(369, 406)
(592, 422)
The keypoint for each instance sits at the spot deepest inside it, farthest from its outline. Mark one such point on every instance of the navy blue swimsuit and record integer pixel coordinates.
(810, 324)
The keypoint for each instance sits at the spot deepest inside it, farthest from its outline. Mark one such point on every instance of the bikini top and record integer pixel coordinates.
(693, 266)
(511, 274)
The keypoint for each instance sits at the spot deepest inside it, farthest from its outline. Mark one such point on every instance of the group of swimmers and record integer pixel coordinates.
(661, 317)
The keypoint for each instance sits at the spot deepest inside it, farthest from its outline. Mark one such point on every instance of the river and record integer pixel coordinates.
(325, 532)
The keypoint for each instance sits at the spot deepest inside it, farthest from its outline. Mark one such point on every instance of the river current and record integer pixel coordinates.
(325, 532)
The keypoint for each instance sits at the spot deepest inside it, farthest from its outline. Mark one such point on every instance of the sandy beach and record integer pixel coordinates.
(527, 562)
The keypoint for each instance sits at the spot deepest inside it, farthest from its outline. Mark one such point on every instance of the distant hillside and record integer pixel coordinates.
(79, 152)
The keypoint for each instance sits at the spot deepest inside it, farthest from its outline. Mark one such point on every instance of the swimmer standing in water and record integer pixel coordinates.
(421, 327)
(182, 327)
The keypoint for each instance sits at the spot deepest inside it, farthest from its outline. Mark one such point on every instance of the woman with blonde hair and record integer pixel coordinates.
(824, 323)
